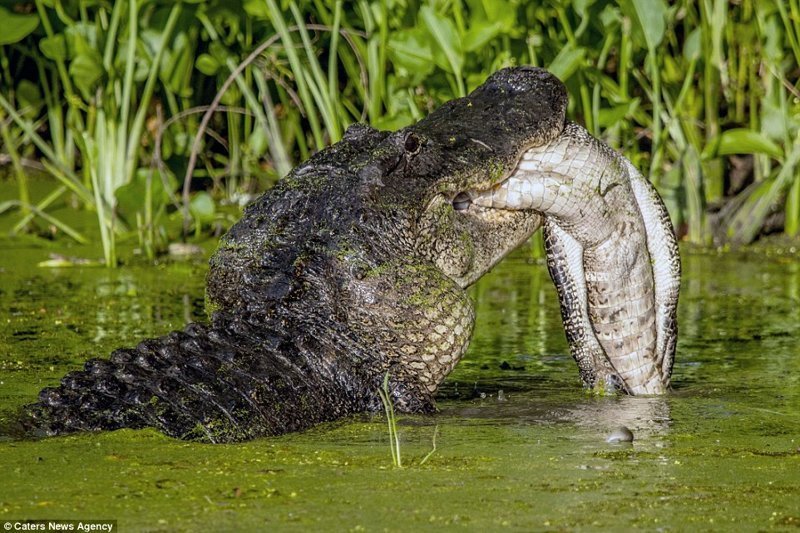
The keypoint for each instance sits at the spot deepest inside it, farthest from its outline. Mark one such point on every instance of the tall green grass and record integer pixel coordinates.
(687, 89)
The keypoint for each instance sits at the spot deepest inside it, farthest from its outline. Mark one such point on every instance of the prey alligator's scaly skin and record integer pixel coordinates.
(612, 254)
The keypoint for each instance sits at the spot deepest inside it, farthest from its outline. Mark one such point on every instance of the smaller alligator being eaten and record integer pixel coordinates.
(352, 267)
(612, 253)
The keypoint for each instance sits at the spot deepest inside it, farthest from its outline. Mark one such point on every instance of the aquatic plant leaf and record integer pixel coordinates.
(488, 19)
(131, 197)
(743, 141)
(692, 45)
(446, 37)
(85, 70)
(207, 64)
(649, 17)
(14, 26)
(54, 47)
(411, 50)
(568, 60)
(760, 199)
(610, 116)
(481, 33)
(29, 98)
(202, 207)
(256, 8)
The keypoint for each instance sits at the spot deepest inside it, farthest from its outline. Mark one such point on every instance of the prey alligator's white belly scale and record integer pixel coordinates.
(612, 254)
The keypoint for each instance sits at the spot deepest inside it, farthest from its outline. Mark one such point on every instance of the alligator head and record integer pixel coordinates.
(473, 143)
(374, 231)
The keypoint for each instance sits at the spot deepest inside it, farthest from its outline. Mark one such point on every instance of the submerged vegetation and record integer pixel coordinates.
(154, 115)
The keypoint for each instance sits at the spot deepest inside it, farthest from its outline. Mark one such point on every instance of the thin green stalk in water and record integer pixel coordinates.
(391, 422)
(19, 172)
(433, 450)
(67, 229)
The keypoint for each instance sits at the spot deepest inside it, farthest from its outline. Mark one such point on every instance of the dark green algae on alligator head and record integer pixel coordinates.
(353, 266)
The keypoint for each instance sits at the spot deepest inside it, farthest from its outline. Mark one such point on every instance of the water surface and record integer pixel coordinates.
(721, 451)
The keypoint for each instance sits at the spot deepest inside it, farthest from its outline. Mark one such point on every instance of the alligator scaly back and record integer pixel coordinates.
(275, 357)
(228, 381)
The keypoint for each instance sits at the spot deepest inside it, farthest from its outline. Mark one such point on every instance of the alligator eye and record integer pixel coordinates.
(461, 202)
(412, 144)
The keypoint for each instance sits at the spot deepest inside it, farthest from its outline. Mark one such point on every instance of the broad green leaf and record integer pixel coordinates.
(582, 6)
(220, 52)
(568, 60)
(54, 47)
(202, 207)
(207, 64)
(610, 18)
(481, 33)
(232, 96)
(692, 45)
(85, 70)
(256, 9)
(743, 141)
(29, 98)
(775, 121)
(14, 26)
(258, 141)
(132, 196)
(81, 39)
(409, 49)
(500, 12)
(649, 16)
(446, 36)
(610, 116)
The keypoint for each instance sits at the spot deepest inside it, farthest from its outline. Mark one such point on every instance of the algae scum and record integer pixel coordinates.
(720, 452)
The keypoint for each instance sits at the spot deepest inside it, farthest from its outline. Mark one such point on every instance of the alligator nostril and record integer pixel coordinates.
(461, 201)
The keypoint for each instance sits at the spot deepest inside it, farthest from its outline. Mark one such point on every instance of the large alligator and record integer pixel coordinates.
(352, 267)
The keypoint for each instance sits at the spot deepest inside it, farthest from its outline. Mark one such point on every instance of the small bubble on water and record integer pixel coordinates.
(621, 434)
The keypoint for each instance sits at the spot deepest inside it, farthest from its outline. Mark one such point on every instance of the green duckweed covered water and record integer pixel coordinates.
(721, 452)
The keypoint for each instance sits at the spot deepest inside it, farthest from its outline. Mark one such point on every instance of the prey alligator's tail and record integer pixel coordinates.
(228, 381)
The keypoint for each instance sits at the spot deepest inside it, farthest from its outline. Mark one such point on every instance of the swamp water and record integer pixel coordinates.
(721, 452)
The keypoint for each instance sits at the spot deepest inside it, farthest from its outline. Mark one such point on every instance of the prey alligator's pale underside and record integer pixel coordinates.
(611, 251)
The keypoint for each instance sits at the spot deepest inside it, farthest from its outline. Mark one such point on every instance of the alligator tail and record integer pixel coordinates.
(223, 382)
